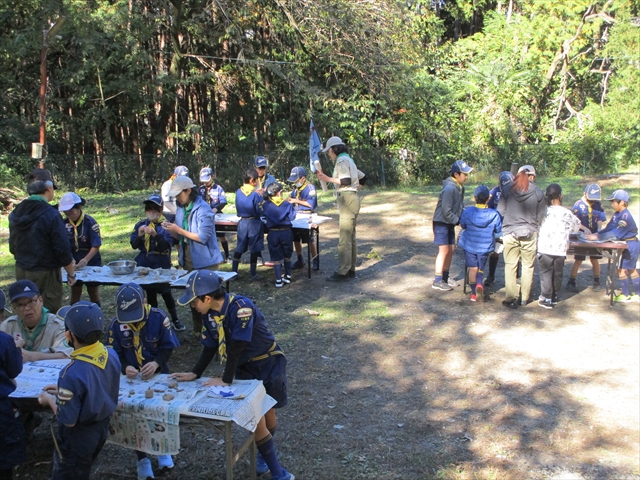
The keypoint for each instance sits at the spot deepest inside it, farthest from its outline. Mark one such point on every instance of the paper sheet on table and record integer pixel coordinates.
(245, 412)
(105, 275)
(132, 431)
(34, 377)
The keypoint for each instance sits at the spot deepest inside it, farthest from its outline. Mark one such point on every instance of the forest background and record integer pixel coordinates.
(137, 86)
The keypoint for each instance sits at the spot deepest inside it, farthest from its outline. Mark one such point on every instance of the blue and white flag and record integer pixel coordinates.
(315, 146)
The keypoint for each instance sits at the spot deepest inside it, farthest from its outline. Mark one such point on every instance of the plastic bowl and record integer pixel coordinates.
(122, 267)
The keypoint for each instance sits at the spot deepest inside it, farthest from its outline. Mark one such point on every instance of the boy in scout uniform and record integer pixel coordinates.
(235, 329)
(86, 395)
(144, 340)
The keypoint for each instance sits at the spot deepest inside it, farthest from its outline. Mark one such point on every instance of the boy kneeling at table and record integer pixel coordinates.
(233, 327)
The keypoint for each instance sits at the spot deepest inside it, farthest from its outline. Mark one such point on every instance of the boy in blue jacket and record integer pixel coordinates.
(250, 227)
(623, 227)
(279, 214)
(13, 437)
(154, 244)
(481, 224)
(144, 340)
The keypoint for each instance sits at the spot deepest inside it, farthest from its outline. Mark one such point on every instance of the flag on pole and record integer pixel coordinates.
(315, 146)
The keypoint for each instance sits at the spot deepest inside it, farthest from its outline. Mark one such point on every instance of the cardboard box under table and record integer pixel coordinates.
(150, 412)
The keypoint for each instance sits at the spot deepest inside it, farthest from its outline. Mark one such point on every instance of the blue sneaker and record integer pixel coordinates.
(261, 465)
(165, 462)
(286, 476)
(316, 263)
(144, 469)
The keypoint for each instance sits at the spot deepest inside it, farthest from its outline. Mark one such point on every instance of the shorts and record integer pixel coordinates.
(473, 260)
(629, 258)
(444, 233)
(302, 235)
(583, 257)
(273, 373)
(280, 244)
(250, 235)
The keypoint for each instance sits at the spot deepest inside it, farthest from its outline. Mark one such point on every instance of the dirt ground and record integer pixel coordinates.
(395, 380)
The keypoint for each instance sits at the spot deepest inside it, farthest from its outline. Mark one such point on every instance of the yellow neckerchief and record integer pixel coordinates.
(456, 180)
(136, 328)
(302, 187)
(261, 180)
(75, 228)
(589, 211)
(147, 236)
(247, 188)
(481, 205)
(222, 343)
(277, 201)
(95, 354)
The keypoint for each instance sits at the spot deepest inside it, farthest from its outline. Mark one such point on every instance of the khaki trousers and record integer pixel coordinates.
(519, 250)
(49, 283)
(348, 208)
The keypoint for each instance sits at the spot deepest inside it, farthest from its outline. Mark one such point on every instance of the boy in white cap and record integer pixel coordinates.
(84, 237)
(144, 340)
(86, 394)
(591, 215)
(305, 200)
(236, 330)
(623, 227)
(214, 195)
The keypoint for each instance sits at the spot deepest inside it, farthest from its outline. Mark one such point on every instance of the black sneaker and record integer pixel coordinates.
(441, 285)
(489, 281)
(336, 277)
(545, 303)
(316, 263)
(297, 265)
(178, 326)
(286, 279)
(512, 304)
(351, 274)
(572, 287)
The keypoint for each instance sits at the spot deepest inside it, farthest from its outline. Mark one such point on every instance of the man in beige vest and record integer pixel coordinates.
(39, 333)
(345, 177)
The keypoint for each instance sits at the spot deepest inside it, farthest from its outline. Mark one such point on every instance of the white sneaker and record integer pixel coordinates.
(165, 462)
(144, 469)
(452, 283)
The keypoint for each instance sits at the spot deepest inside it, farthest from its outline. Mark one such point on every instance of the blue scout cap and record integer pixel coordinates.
(505, 178)
(593, 192)
(130, 303)
(154, 198)
(296, 174)
(480, 189)
(261, 162)
(22, 289)
(460, 166)
(83, 318)
(619, 195)
(62, 312)
(201, 282)
(181, 171)
(205, 174)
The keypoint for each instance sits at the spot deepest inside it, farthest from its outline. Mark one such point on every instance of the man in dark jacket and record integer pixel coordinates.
(38, 241)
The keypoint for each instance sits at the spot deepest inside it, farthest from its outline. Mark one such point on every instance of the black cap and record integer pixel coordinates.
(42, 175)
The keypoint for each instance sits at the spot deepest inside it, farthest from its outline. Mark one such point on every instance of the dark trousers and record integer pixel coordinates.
(550, 274)
(164, 290)
(78, 447)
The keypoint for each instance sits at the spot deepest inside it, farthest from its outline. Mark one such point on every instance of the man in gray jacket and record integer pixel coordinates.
(445, 219)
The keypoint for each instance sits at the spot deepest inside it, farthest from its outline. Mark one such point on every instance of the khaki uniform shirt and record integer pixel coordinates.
(50, 340)
(346, 168)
